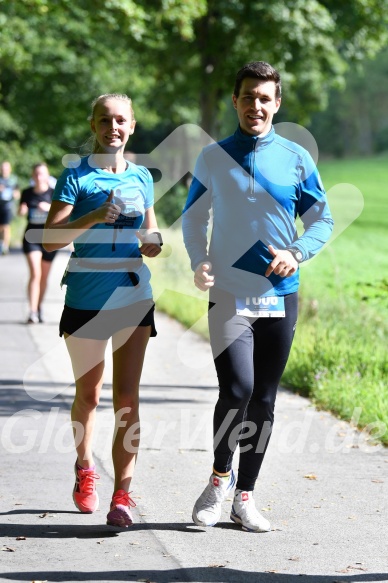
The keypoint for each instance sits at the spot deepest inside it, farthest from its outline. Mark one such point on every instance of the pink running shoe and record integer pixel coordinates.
(120, 514)
(85, 494)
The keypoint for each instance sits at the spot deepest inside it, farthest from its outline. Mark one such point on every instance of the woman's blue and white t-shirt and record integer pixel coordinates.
(106, 269)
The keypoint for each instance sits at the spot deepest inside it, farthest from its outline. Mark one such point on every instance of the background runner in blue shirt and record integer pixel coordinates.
(104, 204)
(253, 185)
(9, 190)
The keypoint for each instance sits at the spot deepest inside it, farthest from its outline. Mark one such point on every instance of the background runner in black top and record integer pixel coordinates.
(35, 203)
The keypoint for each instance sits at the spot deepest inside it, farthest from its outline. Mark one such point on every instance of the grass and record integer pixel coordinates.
(18, 226)
(339, 357)
(173, 286)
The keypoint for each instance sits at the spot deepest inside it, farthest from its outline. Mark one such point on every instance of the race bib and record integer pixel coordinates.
(261, 307)
(37, 217)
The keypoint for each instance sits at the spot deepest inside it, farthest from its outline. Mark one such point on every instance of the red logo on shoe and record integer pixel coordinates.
(216, 482)
(244, 496)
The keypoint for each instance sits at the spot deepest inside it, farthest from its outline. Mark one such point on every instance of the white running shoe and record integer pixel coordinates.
(244, 512)
(207, 509)
(33, 318)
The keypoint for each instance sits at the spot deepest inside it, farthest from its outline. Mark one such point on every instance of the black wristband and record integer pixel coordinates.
(159, 236)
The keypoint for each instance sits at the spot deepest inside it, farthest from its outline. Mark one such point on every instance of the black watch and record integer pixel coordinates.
(296, 253)
(159, 236)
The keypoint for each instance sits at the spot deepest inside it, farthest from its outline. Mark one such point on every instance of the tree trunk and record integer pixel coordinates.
(209, 92)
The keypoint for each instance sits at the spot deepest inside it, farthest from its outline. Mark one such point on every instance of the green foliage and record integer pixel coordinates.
(309, 41)
(55, 57)
(177, 59)
(169, 207)
(356, 119)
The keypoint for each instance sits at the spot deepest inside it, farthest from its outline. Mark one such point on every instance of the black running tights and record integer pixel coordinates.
(250, 356)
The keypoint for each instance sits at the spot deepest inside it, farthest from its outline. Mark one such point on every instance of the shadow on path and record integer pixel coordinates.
(198, 574)
(14, 397)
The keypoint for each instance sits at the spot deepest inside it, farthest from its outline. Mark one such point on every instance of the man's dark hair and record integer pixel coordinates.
(258, 70)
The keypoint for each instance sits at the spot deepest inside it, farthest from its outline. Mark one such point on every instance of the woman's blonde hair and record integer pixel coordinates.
(102, 99)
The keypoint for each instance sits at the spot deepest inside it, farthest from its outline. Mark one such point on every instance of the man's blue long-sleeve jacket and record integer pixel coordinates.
(255, 188)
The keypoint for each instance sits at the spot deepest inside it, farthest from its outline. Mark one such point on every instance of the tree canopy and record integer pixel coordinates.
(177, 59)
(356, 119)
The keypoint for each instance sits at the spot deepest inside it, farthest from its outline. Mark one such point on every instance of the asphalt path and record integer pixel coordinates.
(323, 485)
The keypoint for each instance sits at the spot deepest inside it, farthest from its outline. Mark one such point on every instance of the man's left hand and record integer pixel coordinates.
(283, 263)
